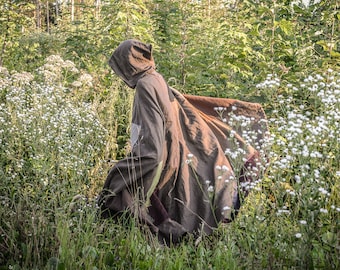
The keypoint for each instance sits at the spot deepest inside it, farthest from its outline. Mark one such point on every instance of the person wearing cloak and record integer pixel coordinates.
(179, 177)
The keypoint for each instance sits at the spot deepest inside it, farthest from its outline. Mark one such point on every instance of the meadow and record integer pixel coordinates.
(53, 149)
(64, 120)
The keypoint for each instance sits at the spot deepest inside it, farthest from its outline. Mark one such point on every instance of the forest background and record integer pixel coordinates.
(65, 116)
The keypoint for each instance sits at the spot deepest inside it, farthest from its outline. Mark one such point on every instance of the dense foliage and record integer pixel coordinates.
(64, 116)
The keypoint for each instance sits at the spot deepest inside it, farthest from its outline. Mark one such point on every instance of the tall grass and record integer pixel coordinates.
(55, 141)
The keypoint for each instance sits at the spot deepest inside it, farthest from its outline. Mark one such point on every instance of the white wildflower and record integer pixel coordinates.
(76, 84)
(323, 210)
(225, 168)
(298, 235)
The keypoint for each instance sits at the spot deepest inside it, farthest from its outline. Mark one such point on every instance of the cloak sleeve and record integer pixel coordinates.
(149, 119)
(137, 175)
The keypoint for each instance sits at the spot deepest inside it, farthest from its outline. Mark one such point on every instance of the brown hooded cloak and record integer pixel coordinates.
(180, 177)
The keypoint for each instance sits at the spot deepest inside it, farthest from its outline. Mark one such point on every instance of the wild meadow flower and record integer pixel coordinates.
(210, 189)
(53, 128)
(283, 211)
(241, 136)
(271, 81)
(298, 235)
(218, 168)
(76, 84)
(4, 71)
(304, 151)
(58, 71)
(189, 158)
(84, 80)
(303, 222)
(225, 168)
(219, 109)
(323, 191)
(323, 210)
(260, 218)
(22, 78)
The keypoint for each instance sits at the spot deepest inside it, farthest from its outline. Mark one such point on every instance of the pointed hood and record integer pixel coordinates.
(131, 60)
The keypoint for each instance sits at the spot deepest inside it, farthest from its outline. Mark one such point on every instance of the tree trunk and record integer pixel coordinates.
(37, 14)
(72, 10)
(47, 17)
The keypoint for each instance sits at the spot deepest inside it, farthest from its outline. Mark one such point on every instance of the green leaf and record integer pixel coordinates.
(109, 258)
(323, 44)
(90, 251)
(286, 26)
(335, 54)
(329, 238)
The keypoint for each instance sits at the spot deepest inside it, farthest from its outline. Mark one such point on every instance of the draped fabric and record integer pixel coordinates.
(189, 156)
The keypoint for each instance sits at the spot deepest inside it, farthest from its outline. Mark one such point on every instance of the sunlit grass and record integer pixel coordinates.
(54, 145)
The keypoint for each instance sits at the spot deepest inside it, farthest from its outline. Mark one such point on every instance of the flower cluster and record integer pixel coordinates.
(272, 81)
(305, 146)
(247, 135)
(57, 71)
(44, 131)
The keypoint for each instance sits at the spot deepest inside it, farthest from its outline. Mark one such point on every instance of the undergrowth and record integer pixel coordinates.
(58, 135)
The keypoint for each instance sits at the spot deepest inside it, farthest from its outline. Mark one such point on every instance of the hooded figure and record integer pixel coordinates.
(186, 162)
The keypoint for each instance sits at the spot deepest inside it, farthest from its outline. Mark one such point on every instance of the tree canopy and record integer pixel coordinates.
(216, 47)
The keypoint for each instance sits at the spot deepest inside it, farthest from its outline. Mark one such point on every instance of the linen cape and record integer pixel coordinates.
(179, 178)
